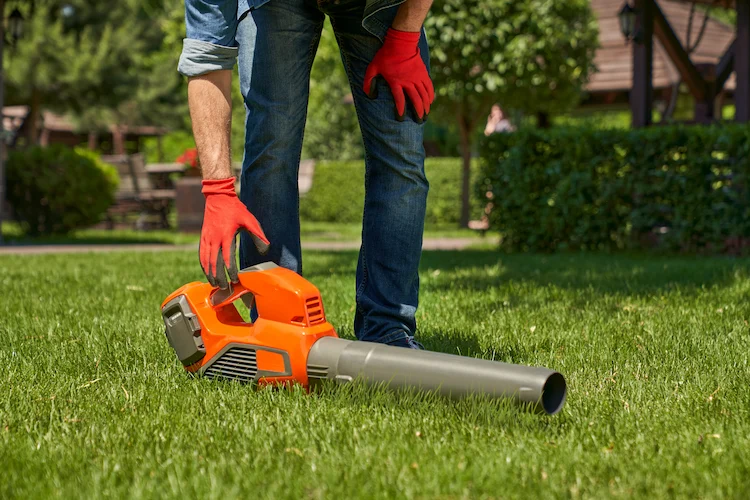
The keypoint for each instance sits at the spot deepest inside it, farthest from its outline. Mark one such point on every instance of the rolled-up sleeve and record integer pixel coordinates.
(210, 44)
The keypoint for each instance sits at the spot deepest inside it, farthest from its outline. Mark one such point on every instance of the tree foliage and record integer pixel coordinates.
(531, 56)
(101, 62)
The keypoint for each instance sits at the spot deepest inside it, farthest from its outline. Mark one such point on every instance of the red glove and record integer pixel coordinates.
(223, 217)
(398, 61)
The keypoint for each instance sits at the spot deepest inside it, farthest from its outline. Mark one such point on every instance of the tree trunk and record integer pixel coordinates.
(118, 140)
(32, 120)
(464, 126)
(92, 140)
(542, 120)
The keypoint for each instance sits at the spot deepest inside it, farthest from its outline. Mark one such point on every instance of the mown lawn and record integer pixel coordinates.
(655, 350)
(309, 231)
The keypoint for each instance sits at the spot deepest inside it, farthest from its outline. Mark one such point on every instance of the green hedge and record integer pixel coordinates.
(56, 189)
(679, 188)
(338, 193)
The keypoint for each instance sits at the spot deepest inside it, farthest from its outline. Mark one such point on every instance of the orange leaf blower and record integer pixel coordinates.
(291, 342)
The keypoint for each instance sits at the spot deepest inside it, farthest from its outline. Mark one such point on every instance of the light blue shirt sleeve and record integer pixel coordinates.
(210, 43)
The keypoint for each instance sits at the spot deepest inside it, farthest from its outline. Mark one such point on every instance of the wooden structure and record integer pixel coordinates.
(707, 40)
(149, 195)
(705, 81)
(56, 129)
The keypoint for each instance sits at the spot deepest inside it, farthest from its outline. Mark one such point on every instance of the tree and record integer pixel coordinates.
(533, 56)
(101, 62)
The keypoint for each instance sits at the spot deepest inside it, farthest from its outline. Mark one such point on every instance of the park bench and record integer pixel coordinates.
(138, 195)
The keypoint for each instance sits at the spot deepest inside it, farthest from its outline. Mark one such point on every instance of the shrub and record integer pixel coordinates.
(338, 193)
(55, 190)
(679, 188)
(444, 198)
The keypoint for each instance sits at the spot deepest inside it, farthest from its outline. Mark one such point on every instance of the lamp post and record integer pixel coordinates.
(15, 25)
(627, 17)
(15, 30)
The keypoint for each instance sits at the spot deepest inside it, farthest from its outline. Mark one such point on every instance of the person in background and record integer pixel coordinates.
(497, 122)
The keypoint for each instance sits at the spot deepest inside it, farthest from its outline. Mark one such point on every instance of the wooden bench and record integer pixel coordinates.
(137, 195)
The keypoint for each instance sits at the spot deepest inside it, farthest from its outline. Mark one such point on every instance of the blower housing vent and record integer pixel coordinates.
(237, 363)
(314, 308)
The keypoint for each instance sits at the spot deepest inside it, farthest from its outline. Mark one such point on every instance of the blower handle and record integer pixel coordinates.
(275, 293)
(221, 298)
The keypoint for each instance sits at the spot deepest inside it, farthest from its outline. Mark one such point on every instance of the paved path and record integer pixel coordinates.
(429, 244)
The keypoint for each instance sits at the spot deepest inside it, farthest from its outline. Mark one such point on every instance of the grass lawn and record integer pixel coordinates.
(655, 350)
(13, 234)
(309, 231)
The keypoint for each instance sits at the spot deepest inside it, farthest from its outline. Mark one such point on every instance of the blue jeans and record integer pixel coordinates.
(277, 44)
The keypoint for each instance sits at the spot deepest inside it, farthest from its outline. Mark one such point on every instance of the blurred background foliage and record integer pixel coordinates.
(324, 203)
(57, 189)
(676, 188)
(100, 62)
(531, 57)
(104, 63)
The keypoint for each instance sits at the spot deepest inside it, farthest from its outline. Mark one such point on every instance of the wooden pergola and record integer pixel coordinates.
(57, 129)
(704, 81)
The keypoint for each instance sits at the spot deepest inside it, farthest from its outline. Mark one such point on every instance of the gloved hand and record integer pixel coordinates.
(399, 63)
(223, 217)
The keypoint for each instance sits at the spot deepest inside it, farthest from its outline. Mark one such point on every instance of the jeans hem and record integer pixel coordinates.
(393, 337)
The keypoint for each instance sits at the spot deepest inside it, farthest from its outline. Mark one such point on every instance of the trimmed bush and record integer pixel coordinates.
(679, 188)
(56, 190)
(338, 192)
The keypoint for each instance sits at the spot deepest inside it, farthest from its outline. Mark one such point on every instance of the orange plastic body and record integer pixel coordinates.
(290, 319)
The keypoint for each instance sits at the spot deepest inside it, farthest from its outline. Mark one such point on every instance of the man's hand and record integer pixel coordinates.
(223, 217)
(211, 112)
(400, 64)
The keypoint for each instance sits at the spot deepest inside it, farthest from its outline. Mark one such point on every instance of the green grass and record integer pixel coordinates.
(13, 234)
(655, 350)
(310, 231)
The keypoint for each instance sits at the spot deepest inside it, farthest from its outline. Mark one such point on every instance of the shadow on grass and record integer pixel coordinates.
(483, 269)
(453, 341)
(635, 274)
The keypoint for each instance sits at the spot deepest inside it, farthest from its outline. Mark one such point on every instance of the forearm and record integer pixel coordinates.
(489, 128)
(209, 99)
(411, 15)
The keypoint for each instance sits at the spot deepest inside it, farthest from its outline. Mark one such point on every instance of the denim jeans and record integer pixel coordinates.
(277, 44)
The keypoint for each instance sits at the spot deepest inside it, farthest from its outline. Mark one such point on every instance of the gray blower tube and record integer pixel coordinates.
(447, 374)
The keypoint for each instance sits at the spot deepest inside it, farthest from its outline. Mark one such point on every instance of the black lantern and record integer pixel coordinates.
(15, 25)
(627, 18)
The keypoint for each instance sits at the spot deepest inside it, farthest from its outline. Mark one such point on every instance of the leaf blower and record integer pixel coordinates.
(291, 342)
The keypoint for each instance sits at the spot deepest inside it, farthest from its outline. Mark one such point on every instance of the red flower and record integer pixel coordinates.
(189, 157)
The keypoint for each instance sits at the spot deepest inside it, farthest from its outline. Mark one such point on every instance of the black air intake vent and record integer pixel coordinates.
(238, 363)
